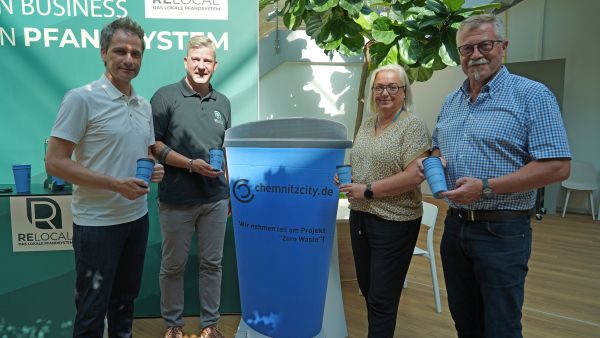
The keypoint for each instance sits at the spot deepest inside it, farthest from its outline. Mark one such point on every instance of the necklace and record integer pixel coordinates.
(377, 126)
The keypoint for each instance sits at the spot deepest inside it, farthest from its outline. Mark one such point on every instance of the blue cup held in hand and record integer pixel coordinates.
(434, 172)
(216, 158)
(344, 173)
(145, 167)
(22, 174)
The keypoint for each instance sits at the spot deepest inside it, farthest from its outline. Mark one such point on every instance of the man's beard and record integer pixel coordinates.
(475, 71)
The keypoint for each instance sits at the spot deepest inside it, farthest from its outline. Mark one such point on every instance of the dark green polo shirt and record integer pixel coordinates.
(190, 125)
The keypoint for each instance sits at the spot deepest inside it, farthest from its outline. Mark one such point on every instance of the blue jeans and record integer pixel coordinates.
(382, 252)
(485, 264)
(108, 261)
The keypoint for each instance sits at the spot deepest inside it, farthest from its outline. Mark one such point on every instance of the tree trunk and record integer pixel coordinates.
(364, 74)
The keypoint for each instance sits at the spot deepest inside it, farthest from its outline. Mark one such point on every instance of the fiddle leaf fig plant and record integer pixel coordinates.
(420, 35)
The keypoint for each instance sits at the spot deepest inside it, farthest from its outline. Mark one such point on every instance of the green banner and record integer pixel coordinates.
(50, 46)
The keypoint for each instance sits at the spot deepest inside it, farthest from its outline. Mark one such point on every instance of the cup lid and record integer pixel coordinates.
(296, 132)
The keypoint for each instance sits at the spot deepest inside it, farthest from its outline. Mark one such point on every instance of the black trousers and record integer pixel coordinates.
(109, 261)
(382, 252)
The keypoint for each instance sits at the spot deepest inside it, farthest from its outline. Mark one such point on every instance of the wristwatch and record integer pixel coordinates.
(368, 192)
(486, 192)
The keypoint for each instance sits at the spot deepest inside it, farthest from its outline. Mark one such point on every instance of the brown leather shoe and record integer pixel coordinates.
(211, 331)
(174, 332)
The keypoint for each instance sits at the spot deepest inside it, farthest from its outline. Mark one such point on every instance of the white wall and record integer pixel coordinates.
(306, 83)
(569, 30)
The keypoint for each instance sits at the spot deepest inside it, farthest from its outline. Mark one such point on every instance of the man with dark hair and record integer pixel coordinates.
(503, 137)
(190, 118)
(107, 126)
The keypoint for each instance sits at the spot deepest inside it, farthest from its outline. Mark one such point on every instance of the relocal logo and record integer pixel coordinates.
(44, 213)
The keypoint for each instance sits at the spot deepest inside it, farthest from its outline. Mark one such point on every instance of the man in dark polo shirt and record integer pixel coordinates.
(190, 117)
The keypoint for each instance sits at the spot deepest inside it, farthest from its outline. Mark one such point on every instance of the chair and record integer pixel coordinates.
(582, 178)
(343, 211)
(430, 212)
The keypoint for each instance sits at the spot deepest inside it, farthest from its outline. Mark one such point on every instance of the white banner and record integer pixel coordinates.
(41, 223)
(187, 9)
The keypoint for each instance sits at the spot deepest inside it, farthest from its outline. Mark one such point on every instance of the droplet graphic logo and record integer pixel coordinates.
(241, 191)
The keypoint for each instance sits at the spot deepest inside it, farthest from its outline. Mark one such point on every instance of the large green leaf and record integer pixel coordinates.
(446, 59)
(420, 74)
(435, 21)
(289, 20)
(386, 37)
(391, 57)
(449, 40)
(409, 50)
(383, 31)
(430, 50)
(352, 44)
(454, 5)
(366, 20)
(353, 7)
(321, 5)
(378, 52)
(332, 45)
(297, 7)
(438, 63)
(437, 7)
(314, 23)
(382, 23)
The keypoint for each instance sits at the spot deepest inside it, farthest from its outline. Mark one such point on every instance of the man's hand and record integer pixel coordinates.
(200, 166)
(158, 173)
(130, 187)
(467, 191)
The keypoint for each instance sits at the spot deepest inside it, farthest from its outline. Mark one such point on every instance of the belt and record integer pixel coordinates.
(487, 215)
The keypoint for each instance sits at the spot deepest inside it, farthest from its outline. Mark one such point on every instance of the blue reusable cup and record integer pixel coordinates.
(344, 173)
(145, 167)
(434, 172)
(22, 174)
(216, 158)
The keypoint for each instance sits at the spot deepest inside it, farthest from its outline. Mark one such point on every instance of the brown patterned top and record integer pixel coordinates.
(375, 157)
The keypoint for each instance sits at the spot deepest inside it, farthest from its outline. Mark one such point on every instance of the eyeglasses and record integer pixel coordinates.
(483, 47)
(391, 89)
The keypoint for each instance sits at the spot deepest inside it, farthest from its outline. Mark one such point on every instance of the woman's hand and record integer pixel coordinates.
(354, 191)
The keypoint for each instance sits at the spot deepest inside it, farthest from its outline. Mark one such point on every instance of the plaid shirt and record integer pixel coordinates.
(513, 122)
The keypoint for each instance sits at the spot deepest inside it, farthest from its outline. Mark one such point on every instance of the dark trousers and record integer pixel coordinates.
(108, 262)
(382, 252)
(485, 264)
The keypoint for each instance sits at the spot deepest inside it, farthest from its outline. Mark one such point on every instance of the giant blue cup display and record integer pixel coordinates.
(284, 205)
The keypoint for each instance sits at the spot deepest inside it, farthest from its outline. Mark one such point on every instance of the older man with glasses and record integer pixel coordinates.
(502, 137)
